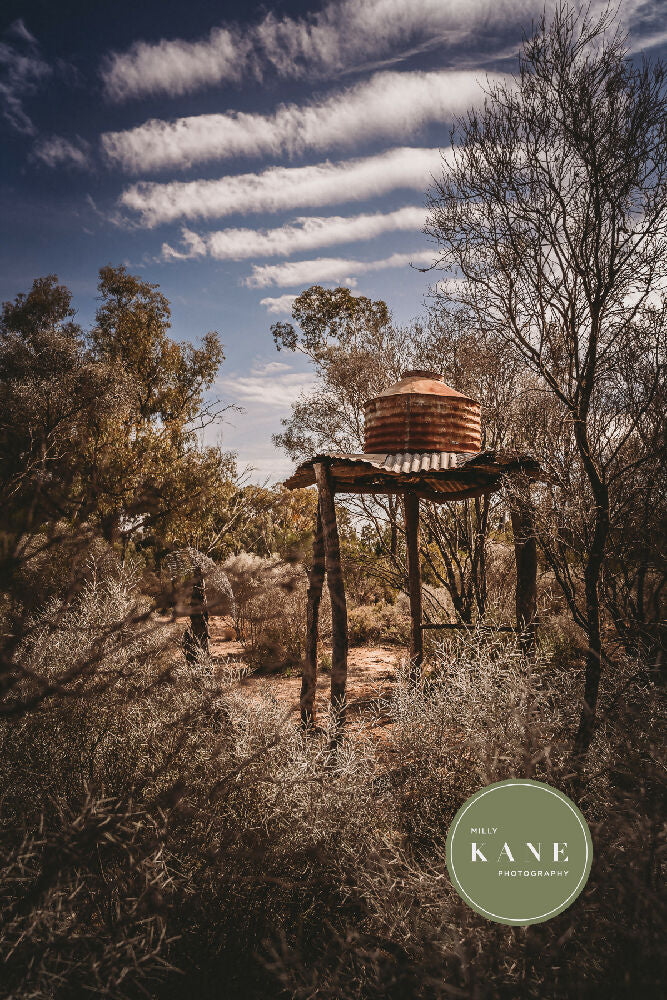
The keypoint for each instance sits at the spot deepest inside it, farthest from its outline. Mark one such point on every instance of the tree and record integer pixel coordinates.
(53, 397)
(554, 210)
(349, 340)
(356, 352)
(147, 470)
(481, 365)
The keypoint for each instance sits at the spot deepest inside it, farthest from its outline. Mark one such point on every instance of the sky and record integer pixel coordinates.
(238, 153)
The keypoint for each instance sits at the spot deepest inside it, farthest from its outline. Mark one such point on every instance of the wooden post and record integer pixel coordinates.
(315, 582)
(336, 590)
(411, 505)
(525, 554)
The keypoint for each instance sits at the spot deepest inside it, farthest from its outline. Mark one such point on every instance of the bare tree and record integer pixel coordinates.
(554, 209)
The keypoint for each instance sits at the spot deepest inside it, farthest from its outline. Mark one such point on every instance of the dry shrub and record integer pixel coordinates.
(156, 817)
(501, 573)
(271, 602)
(83, 873)
(487, 717)
(83, 902)
(437, 601)
(57, 563)
(378, 623)
(173, 819)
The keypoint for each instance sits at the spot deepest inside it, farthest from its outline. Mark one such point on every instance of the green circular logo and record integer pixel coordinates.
(519, 852)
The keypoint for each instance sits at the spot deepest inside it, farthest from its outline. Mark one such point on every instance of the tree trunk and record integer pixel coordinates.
(196, 638)
(336, 591)
(592, 589)
(315, 582)
(393, 527)
(525, 554)
(110, 525)
(414, 584)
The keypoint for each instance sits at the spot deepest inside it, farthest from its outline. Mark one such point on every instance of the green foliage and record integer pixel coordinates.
(331, 317)
(167, 378)
(151, 467)
(103, 426)
(350, 340)
(55, 399)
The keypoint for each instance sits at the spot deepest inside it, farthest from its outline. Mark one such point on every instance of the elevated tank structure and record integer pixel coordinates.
(420, 413)
(422, 442)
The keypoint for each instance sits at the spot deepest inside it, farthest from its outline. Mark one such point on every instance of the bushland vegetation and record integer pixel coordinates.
(165, 834)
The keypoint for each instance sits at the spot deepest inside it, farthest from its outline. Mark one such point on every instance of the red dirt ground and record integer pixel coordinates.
(371, 675)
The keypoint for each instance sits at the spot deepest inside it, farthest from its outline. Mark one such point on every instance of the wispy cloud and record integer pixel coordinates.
(388, 105)
(646, 20)
(56, 151)
(306, 233)
(175, 67)
(274, 384)
(649, 40)
(305, 272)
(334, 40)
(22, 70)
(19, 29)
(279, 306)
(283, 188)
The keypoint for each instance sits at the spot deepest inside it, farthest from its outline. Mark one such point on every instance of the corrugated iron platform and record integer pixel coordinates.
(436, 475)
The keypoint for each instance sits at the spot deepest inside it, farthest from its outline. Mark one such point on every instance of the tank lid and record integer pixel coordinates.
(423, 382)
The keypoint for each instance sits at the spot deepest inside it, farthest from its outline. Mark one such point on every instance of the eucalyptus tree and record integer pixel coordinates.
(152, 471)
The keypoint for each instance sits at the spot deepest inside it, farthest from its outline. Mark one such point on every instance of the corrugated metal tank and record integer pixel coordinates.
(421, 413)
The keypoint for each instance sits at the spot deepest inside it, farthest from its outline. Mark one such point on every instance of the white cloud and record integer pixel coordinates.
(306, 233)
(284, 188)
(280, 306)
(174, 67)
(274, 385)
(22, 70)
(305, 272)
(60, 152)
(265, 394)
(334, 40)
(386, 106)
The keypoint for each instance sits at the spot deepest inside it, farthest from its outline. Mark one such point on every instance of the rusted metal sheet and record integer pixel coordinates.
(422, 414)
(442, 473)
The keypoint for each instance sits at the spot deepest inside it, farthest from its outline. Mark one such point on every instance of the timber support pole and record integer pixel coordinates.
(336, 590)
(315, 584)
(411, 507)
(525, 553)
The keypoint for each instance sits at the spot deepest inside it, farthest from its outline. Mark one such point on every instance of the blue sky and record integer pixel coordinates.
(238, 153)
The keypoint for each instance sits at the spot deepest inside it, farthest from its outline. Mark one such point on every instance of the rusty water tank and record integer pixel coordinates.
(420, 413)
